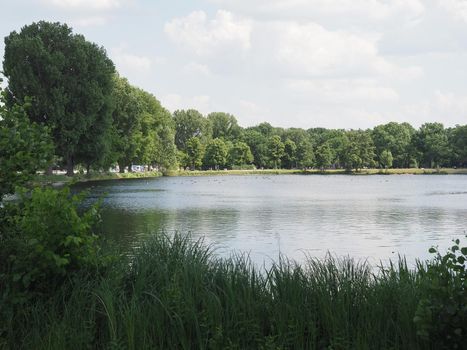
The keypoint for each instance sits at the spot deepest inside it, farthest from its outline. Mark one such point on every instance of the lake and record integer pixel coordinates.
(372, 217)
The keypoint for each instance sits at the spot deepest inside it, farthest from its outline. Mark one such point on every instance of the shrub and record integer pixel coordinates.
(441, 315)
(45, 239)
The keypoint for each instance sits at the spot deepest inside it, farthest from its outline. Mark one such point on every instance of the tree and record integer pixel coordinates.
(304, 155)
(190, 123)
(143, 130)
(432, 142)
(357, 150)
(386, 159)
(69, 80)
(275, 150)
(395, 138)
(25, 147)
(216, 154)
(194, 153)
(224, 125)
(458, 142)
(240, 154)
(257, 143)
(290, 154)
(158, 133)
(323, 156)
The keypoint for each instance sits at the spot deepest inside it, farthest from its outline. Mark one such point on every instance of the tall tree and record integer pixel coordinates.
(289, 160)
(358, 150)
(127, 134)
(216, 154)
(324, 156)
(194, 153)
(224, 125)
(275, 150)
(190, 123)
(240, 154)
(396, 138)
(69, 80)
(158, 133)
(258, 146)
(432, 143)
(458, 142)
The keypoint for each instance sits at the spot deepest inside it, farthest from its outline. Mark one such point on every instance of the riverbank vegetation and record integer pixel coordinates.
(61, 287)
(96, 120)
(173, 293)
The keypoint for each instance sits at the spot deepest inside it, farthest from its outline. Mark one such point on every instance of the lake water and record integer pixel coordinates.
(365, 217)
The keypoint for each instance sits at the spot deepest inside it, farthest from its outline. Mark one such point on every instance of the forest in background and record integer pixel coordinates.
(96, 119)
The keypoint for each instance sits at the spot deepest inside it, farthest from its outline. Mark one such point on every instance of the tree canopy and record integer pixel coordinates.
(69, 81)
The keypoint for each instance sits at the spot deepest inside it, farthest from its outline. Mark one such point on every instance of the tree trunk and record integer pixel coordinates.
(69, 166)
(121, 168)
(49, 170)
(88, 168)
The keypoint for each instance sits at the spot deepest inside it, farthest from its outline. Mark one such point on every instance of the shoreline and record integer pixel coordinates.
(61, 179)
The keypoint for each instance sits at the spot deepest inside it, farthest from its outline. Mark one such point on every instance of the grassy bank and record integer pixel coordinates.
(94, 176)
(54, 179)
(174, 294)
(407, 171)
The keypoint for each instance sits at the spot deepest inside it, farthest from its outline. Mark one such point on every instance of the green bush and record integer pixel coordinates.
(441, 316)
(45, 239)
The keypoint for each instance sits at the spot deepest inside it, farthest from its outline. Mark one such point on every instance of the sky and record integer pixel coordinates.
(292, 63)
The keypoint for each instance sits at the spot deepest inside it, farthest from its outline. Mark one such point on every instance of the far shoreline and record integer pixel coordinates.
(61, 179)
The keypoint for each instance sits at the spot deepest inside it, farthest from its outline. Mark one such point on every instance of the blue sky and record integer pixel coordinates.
(302, 63)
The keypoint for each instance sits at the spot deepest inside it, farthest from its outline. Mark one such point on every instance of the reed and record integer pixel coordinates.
(174, 293)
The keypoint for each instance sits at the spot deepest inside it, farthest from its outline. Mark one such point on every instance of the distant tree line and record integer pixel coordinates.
(96, 120)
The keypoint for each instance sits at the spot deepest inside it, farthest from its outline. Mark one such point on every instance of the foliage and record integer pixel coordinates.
(386, 159)
(441, 315)
(240, 154)
(216, 154)
(224, 125)
(357, 150)
(190, 123)
(275, 150)
(25, 148)
(143, 130)
(323, 156)
(458, 142)
(195, 153)
(395, 138)
(173, 293)
(257, 143)
(45, 240)
(432, 143)
(289, 159)
(69, 80)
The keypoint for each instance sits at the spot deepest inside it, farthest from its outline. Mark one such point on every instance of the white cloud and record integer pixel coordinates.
(312, 49)
(172, 102)
(86, 4)
(251, 113)
(197, 69)
(89, 21)
(357, 11)
(204, 36)
(456, 8)
(342, 90)
(128, 63)
(442, 106)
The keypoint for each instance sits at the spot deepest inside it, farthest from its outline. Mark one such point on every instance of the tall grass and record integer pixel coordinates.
(173, 293)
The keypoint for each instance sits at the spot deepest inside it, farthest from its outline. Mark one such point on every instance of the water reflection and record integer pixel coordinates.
(374, 217)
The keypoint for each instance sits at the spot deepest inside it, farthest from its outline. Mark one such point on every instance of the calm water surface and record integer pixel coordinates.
(366, 217)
